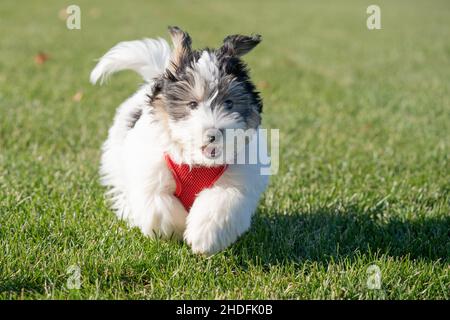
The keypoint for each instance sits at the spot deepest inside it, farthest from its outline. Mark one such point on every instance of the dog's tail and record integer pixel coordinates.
(148, 57)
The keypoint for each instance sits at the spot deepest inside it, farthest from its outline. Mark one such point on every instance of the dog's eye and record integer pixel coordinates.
(228, 104)
(193, 104)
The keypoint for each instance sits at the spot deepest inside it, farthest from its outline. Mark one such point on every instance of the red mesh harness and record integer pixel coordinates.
(191, 181)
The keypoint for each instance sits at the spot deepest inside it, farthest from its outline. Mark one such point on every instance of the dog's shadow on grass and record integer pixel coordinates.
(345, 233)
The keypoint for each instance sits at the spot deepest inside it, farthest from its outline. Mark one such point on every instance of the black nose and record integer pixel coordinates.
(212, 136)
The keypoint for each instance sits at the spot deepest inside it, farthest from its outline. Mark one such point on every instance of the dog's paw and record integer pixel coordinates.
(207, 239)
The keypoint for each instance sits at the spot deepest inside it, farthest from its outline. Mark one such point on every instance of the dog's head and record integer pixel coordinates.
(202, 93)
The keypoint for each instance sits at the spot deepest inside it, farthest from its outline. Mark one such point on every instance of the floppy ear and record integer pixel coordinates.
(148, 57)
(181, 48)
(238, 45)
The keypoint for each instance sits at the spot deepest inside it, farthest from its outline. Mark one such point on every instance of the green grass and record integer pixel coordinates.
(364, 122)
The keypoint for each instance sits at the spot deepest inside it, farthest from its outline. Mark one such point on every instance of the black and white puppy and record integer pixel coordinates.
(190, 98)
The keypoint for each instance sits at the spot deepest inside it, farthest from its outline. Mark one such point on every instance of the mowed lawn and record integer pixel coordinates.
(364, 179)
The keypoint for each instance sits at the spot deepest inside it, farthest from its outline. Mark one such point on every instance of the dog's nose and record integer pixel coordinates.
(212, 135)
(211, 138)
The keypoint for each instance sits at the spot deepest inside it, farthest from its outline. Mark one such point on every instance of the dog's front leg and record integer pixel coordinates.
(218, 217)
(158, 215)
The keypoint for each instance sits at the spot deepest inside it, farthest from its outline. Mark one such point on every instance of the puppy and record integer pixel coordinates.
(164, 161)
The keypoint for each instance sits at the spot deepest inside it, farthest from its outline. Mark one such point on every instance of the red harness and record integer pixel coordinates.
(191, 181)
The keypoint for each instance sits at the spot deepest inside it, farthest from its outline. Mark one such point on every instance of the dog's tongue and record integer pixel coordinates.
(211, 152)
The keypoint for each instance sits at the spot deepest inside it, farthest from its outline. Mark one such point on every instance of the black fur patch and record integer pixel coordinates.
(134, 117)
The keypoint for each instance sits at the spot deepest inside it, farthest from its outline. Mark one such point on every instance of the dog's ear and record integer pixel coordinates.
(238, 45)
(181, 48)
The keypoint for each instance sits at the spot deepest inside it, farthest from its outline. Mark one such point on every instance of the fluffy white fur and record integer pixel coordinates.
(140, 184)
(148, 57)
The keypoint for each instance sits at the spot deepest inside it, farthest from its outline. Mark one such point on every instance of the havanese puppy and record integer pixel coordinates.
(166, 161)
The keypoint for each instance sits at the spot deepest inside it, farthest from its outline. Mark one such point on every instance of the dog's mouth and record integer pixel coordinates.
(211, 151)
